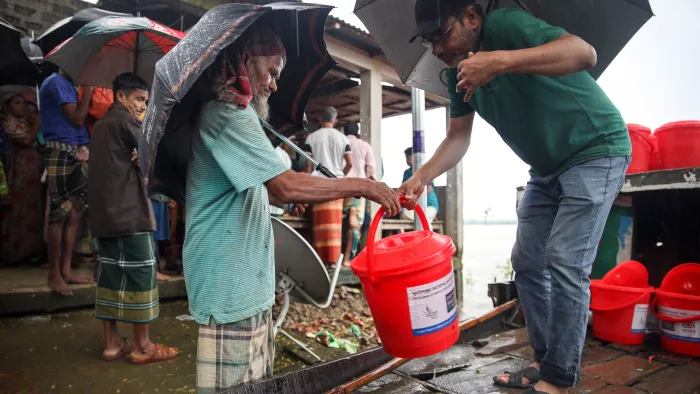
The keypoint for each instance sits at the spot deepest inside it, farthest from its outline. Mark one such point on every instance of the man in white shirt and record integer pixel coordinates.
(331, 148)
(354, 208)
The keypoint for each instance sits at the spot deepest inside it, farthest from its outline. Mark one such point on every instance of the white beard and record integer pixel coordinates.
(261, 106)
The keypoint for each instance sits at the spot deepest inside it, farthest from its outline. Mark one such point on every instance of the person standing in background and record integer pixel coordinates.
(66, 156)
(330, 148)
(433, 207)
(284, 158)
(363, 166)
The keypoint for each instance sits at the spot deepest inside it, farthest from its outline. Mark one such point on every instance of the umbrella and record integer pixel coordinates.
(605, 24)
(65, 28)
(107, 47)
(166, 140)
(16, 68)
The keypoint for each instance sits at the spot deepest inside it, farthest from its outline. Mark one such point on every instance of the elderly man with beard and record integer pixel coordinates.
(233, 177)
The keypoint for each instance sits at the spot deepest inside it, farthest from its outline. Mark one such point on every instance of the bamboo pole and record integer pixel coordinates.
(377, 373)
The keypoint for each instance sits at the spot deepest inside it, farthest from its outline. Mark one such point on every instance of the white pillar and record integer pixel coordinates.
(454, 217)
(371, 120)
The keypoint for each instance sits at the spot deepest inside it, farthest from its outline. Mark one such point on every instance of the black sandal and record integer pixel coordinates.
(515, 380)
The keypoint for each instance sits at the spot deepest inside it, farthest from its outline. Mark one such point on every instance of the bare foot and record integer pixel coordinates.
(162, 277)
(58, 285)
(77, 280)
(547, 387)
(122, 347)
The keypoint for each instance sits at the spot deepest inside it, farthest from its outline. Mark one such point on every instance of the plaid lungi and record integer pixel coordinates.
(67, 183)
(328, 230)
(235, 353)
(126, 279)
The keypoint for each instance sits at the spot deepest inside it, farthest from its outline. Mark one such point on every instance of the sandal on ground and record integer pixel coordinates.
(160, 353)
(125, 349)
(515, 380)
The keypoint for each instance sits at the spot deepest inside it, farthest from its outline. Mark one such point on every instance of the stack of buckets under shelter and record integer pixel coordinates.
(672, 146)
(622, 300)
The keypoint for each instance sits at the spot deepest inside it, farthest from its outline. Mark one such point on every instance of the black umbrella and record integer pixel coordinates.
(65, 28)
(165, 142)
(607, 25)
(15, 66)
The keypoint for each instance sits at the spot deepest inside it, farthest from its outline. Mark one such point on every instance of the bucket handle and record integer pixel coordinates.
(669, 319)
(373, 231)
(616, 307)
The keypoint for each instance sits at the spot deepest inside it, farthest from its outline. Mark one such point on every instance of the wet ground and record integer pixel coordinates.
(60, 352)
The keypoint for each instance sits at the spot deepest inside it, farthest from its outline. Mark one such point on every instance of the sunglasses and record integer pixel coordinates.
(427, 40)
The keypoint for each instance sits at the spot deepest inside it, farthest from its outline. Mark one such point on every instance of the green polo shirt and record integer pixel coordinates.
(551, 123)
(228, 254)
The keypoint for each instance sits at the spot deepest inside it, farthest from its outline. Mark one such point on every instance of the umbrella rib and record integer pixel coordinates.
(641, 8)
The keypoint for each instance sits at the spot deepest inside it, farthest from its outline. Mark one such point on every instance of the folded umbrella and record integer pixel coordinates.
(607, 25)
(65, 28)
(167, 130)
(16, 67)
(107, 47)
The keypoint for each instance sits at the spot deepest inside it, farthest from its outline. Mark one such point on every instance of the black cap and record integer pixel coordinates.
(431, 14)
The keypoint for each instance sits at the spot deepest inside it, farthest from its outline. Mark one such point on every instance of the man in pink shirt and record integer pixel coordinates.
(354, 208)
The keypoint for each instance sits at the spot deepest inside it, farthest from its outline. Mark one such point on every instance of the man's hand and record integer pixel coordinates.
(82, 155)
(135, 158)
(411, 189)
(87, 91)
(298, 210)
(476, 71)
(385, 196)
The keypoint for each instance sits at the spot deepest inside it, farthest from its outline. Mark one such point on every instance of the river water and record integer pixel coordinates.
(486, 256)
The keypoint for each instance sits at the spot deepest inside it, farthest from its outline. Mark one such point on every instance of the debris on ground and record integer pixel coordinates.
(185, 318)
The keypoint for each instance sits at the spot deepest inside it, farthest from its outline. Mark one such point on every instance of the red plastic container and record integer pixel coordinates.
(409, 285)
(678, 303)
(642, 148)
(679, 144)
(655, 157)
(620, 313)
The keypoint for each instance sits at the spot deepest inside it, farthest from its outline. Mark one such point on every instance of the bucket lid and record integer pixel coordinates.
(405, 253)
(628, 274)
(683, 279)
(683, 124)
(637, 128)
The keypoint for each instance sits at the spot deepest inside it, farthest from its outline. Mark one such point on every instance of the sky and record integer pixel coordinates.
(654, 80)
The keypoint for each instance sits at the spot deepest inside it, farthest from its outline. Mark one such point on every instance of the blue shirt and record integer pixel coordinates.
(229, 250)
(432, 197)
(54, 92)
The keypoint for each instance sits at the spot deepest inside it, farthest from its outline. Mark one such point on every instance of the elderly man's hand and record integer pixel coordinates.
(383, 195)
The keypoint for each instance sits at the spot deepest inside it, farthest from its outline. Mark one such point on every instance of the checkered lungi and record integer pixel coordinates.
(127, 290)
(67, 180)
(235, 353)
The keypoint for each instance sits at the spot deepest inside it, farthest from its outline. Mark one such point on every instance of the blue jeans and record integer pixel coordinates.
(560, 221)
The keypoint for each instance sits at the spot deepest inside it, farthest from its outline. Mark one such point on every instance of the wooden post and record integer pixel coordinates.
(371, 121)
(454, 220)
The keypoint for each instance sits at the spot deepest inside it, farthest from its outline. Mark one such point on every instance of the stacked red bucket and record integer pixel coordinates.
(679, 144)
(620, 304)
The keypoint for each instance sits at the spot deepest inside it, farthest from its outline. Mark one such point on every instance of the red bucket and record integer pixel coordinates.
(677, 306)
(620, 313)
(679, 144)
(409, 285)
(642, 148)
(628, 274)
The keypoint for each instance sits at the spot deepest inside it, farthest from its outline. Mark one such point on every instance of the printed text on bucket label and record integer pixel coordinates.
(689, 332)
(432, 306)
(639, 321)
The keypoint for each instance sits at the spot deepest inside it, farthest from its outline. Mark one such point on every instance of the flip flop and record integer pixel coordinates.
(515, 380)
(125, 349)
(160, 353)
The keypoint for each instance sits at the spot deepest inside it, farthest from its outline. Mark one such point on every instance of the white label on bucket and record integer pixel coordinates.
(689, 332)
(432, 306)
(639, 321)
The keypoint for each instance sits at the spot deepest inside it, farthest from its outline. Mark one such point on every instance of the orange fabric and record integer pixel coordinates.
(102, 98)
(327, 230)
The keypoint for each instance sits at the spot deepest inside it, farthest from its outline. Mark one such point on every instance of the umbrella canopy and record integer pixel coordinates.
(607, 25)
(15, 66)
(65, 28)
(166, 140)
(107, 47)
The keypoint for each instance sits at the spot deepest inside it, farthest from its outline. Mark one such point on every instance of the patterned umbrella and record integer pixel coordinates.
(109, 46)
(172, 111)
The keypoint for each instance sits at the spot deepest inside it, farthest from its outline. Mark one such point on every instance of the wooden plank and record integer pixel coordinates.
(680, 179)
